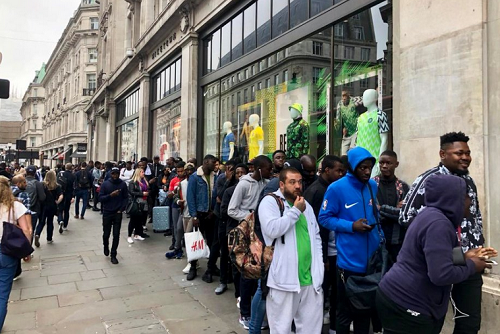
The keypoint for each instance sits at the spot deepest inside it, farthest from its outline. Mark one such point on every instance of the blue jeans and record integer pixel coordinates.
(258, 312)
(8, 266)
(84, 195)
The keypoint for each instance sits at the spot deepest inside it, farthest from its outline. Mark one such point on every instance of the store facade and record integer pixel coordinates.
(272, 75)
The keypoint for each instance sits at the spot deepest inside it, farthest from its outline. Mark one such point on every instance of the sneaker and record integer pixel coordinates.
(50, 241)
(60, 227)
(207, 277)
(245, 322)
(221, 289)
(145, 229)
(37, 240)
(186, 270)
(114, 260)
(81, 217)
(138, 237)
(95, 209)
(265, 325)
(76, 216)
(179, 254)
(332, 331)
(172, 247)
(65, 228)
(171, 255)
(192, 273)
(106, 251)
(144, 235)
(17, 277)
(238, 302)
(130, 240)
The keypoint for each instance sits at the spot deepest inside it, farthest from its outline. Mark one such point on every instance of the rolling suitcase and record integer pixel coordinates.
(161, 219)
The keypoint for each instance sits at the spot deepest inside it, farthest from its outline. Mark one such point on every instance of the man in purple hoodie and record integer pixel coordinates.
(413, 296)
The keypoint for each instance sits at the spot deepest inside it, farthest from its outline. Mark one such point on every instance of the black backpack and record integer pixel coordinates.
(84, 181)
(61, 180)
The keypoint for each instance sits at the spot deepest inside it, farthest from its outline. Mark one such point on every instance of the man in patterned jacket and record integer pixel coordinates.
(455, 160)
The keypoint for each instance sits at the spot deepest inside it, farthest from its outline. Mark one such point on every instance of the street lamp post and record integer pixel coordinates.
(9, 145)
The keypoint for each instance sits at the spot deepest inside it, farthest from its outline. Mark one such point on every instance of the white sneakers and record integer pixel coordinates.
(130, 240)
(138, 237)
(186, 270)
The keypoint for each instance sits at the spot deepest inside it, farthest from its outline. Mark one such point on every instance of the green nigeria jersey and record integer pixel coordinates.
(370, 125)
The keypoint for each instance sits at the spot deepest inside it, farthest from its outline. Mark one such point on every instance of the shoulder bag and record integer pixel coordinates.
(14, 242)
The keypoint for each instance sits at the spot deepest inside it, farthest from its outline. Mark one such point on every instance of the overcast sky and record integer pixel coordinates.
(29, 31)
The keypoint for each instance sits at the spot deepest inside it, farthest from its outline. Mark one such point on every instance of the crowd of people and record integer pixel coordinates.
(325, 221)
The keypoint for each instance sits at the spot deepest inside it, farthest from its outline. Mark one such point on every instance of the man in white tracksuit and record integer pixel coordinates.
(296, 273)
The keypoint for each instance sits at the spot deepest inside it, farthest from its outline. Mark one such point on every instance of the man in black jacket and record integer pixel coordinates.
(66, 180)
(114, 199)
(332, 169)
(83, 183)
(390, 196)
(36, 194)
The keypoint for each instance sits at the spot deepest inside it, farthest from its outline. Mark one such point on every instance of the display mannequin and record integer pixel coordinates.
(256, 140)
(348, 110)
(373, 128)
(228, 142)
(297, 133)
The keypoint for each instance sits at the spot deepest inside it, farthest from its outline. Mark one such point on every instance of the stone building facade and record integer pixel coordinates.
(32, 113)
(175, 72)
(70, 81)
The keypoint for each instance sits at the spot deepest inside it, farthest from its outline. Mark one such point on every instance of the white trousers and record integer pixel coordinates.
(305, 307)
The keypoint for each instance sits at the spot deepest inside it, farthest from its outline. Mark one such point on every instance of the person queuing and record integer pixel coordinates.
(332, 169)
(419, 304)
(114, 198)
(200, 203)
(180, 199)
(296, 273)
(97, 175)
(53, 197)
(138, 190)
(279, 157)
(177, 222)
(349, 210)
(455, 156)
(390, 195)
(244, 200)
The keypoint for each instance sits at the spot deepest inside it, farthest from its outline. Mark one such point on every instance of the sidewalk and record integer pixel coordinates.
(71, 287)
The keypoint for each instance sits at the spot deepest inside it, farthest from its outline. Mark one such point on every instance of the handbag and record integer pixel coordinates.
(132, 207)
(196, 247)
(361, 290)
(14, 242)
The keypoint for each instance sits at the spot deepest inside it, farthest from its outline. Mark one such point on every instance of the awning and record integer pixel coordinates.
(79, 154)
(54, 156)
(62, 154)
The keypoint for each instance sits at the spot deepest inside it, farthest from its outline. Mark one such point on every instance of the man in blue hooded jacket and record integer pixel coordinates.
(349, 209)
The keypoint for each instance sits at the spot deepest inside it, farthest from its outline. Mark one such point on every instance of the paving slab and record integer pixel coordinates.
(101, 283)
(82, 297)
(181, 311)
(25, 282)
(15, 294)
(45, 291)
(19, 321)
(32, 305)
(151, 300)
(64, 278)
(209, 324)
(134, 323)
(92, 274)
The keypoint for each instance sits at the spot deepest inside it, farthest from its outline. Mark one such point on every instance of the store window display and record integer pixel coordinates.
(297, 133)
(256, 140)
(228, 142)
(373, 128)
(348, 111)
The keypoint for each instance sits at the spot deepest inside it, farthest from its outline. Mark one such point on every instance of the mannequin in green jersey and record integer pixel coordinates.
(373, 128)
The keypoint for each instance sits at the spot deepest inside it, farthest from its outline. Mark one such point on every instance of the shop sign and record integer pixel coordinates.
(164, 46)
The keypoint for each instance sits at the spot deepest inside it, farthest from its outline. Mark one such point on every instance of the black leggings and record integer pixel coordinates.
(136, 222)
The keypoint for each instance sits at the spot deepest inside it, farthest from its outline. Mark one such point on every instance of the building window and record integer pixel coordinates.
(33, 141)
(317, 48)
(359, 33)
(365, 54)
(336, 50)
(259, 86)
(252, 96)
(349, 52)
(316, 74)
(168, 81)
(35, 92)
(35, 111)
(285, 75)
(268, 83)
(277, 79)
(91, 81)
(94, 23)
(92, 55)
(33, 122)
(246, 73)
(128, 107)
(339, 30)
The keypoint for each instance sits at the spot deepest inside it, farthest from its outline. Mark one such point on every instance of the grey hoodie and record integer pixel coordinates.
(245, 197)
